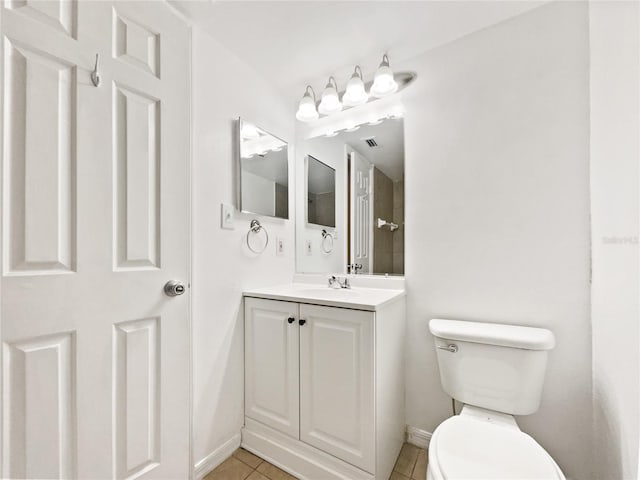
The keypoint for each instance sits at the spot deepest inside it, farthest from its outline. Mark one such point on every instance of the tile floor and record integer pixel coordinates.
(243, 465)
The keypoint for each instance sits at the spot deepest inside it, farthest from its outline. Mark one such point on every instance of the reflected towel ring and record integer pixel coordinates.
(326, 235)
(255, 227)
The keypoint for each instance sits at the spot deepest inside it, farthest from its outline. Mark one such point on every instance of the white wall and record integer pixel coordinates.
(497, 208)
(258, 194)
(615, 154)
(224, 88)
(330, 151)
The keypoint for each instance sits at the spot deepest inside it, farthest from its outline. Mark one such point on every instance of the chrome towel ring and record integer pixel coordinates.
(255, 228)
(326, 237)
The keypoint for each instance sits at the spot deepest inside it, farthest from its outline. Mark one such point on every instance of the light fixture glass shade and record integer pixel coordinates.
(355, 93)
(249, 131)
(383, 82)
(307, 108)
(329, 101)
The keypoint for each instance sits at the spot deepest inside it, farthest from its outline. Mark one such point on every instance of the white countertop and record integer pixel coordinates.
(359, 298)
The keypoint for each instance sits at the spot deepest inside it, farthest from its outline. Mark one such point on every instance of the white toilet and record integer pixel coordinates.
(496, 371)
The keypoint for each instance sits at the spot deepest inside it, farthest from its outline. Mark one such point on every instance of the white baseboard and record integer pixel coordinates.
(215, 458)
(417, 437)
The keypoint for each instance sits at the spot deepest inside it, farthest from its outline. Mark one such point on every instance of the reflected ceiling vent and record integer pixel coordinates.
(371, 142)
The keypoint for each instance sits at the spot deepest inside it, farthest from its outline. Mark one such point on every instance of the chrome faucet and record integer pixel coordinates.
(333, 281)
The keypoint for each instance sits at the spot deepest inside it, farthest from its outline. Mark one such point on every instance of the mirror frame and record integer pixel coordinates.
(238, 145)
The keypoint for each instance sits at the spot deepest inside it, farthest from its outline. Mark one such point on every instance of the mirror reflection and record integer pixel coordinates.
(264, 172)
(321, 193)
(368, 229)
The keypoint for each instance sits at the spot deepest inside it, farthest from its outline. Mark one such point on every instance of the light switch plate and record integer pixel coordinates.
(307, 247)
(226, 216)
(279, 246)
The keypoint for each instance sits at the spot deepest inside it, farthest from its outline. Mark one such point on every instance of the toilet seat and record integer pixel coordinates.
(464, 447)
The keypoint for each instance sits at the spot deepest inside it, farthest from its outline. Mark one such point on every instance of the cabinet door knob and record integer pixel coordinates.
(291, 319)
(302, 321)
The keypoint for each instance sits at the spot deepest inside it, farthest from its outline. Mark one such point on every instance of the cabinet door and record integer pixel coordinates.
(272, 364)
(337, 383)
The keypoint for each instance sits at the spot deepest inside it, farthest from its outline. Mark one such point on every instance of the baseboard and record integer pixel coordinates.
(417, 437)
(215, 458)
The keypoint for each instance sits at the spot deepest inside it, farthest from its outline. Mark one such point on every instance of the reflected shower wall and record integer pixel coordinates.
(388, 204)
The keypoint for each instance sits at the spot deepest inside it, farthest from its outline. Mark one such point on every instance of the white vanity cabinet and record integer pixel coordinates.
(324, 387)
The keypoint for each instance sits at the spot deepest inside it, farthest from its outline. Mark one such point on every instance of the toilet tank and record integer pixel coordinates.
(493, 366)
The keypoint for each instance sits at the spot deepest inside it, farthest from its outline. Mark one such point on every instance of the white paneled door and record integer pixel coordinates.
(361, 212)
(95, 221)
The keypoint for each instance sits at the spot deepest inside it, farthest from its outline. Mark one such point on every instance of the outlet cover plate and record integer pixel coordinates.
(226, 216)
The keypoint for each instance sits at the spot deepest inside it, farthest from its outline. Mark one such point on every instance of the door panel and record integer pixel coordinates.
(137, 396)
(271, 364)
(137, 139)
(59, 14)
(40, 407)
(337, 383)
(39, 210)
(95, 221)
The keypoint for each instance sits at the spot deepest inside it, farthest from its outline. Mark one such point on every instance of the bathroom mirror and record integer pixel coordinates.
(321, 193)
(264, 172)
(367, 233)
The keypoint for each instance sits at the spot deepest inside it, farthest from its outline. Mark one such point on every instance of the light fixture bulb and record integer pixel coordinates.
(307, 108)
(329, 101)
(355, 93)
(383, 82)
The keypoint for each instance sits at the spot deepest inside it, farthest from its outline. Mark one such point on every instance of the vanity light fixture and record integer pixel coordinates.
(396, 115)
(307, 108)
(383, 81)
(330, 102)
(249, 131)
(355, 94)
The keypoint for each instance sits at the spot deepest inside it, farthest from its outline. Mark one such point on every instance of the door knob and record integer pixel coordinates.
(291, 319)
(302, 321)
(173, 288)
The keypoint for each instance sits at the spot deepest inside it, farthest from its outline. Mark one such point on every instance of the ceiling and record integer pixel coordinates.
(292, 43)
(388, 156)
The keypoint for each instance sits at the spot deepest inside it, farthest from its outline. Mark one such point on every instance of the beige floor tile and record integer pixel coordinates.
(230, 469)
(273, 473)
(397, 476)
(406, 460)
(420, 469)
(247, 457)
(256, 476)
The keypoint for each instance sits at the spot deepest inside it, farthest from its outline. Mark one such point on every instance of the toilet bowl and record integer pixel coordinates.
(481, 444)
(496, 371)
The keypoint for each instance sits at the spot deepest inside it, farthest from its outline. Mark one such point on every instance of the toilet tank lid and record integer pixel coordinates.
(514, 336)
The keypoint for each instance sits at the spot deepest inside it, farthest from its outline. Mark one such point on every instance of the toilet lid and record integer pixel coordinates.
(472, 449)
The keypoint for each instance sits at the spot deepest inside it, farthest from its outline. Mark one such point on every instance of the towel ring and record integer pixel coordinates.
(256, 228)
(326, 235)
